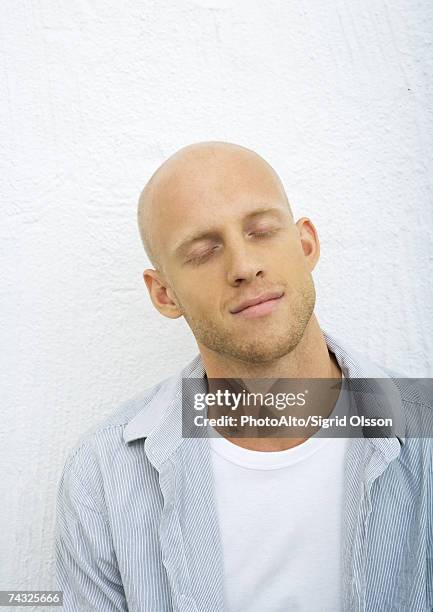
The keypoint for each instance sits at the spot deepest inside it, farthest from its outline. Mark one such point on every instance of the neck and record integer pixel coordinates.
(309, 359)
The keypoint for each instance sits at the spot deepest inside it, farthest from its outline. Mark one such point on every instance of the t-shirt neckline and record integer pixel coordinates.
(270, 460)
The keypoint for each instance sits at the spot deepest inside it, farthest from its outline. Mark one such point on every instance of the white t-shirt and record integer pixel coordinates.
(280, 518)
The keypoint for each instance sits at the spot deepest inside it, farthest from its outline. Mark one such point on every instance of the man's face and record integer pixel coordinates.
(227, 238)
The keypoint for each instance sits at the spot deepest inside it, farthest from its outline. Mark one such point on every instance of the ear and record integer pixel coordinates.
(161, 295)
(309, 241)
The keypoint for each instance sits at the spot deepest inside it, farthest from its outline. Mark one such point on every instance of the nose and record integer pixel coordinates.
(242, 267)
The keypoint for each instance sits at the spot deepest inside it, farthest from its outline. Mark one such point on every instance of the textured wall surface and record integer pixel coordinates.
(336, 95)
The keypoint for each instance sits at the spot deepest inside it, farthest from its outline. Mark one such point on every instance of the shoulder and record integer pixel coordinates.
(100, 448)
(417, 392)
(409, 399)
(416, 395)
(414, 390)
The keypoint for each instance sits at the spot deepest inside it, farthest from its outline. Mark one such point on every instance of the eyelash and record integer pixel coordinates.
(263, 234)
(201, 258)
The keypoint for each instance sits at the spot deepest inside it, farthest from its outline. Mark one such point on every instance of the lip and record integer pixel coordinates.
(262, 304)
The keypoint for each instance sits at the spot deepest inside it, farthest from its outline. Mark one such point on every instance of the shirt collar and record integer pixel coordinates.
(160, 420)
(378, 395)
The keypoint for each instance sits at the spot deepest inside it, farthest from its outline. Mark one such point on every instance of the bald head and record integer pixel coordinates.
(199, 172)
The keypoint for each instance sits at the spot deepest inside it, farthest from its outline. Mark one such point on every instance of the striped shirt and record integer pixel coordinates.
(137, 527)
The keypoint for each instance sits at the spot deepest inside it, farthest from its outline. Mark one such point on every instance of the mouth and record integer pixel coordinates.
(259, 306)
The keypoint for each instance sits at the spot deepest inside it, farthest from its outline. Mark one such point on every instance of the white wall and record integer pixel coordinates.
(336, 95)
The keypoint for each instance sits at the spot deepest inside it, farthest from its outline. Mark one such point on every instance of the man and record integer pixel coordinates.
(150, 520)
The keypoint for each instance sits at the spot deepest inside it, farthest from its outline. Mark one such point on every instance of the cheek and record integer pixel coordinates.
(198, 287)
(196, 299)
(284, 257)
(289, 265)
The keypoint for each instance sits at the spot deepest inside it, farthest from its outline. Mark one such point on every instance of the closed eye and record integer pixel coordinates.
(196, 259)
(262, 234)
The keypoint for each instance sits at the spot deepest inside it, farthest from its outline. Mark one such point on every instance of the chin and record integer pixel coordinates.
(268, 354)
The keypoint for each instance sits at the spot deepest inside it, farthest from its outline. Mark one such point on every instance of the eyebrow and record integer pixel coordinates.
(212, 233)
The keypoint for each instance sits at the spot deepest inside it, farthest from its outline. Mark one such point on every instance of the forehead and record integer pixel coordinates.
(210, 191)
